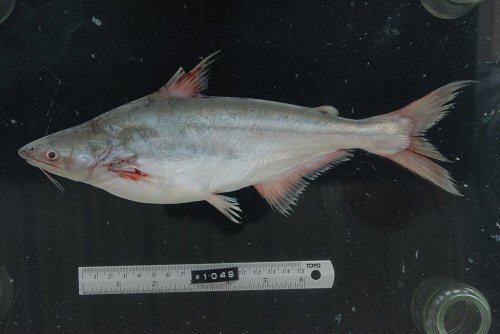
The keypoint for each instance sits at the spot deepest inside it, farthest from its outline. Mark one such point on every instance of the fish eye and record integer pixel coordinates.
(51, 154)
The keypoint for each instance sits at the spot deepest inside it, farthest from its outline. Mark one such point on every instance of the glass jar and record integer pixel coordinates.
(444, 305)
(449, 9)
(6, 291)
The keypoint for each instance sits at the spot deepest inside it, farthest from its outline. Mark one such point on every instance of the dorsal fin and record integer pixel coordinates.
(192, 82)
(283, 191)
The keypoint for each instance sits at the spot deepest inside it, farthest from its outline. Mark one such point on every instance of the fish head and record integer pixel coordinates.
(63, 153)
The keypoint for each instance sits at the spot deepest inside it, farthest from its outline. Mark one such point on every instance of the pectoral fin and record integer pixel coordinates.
(282, 192)
(126, 168)
(131, 173)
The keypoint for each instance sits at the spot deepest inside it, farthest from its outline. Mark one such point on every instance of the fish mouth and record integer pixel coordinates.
(39, 163)
(26, 154)
(23, 152)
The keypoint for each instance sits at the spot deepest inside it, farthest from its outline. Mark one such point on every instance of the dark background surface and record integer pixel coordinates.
(384, 229)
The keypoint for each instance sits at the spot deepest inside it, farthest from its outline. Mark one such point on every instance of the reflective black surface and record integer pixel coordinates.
(385, 229)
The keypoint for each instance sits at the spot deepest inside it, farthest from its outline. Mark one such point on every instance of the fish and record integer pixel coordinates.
(178, 146)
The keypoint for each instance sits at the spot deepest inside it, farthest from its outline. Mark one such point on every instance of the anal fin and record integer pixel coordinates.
(282, 192)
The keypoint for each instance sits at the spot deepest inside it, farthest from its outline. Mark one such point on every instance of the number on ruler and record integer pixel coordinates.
(214, 275)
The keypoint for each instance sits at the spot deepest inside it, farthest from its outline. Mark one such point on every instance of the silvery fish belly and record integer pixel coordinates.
(176, 146)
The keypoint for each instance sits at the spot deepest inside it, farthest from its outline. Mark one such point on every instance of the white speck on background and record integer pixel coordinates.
(416, 254)
(496, 237)
(96, 21)
(338, 318)
(471, 260)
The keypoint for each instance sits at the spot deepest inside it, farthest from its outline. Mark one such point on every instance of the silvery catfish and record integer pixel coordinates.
(176, 146)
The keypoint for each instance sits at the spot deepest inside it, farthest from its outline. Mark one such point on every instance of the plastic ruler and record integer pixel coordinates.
(207, 277)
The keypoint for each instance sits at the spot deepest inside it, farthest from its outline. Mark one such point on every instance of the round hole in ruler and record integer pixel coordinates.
(316, 274)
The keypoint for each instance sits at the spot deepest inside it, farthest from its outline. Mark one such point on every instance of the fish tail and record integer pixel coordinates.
(425, 113)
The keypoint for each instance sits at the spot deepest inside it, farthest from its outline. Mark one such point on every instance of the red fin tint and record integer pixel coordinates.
(125, 168)
(190, 83)
(425, 113)
(283, 191)
(132, 173)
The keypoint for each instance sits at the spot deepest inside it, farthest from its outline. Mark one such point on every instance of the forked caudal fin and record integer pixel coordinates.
(425, 113)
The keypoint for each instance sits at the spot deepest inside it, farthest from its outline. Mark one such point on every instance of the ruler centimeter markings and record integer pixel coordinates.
(207, 277)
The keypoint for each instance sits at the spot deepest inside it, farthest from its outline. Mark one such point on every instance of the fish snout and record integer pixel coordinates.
(26, 152)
